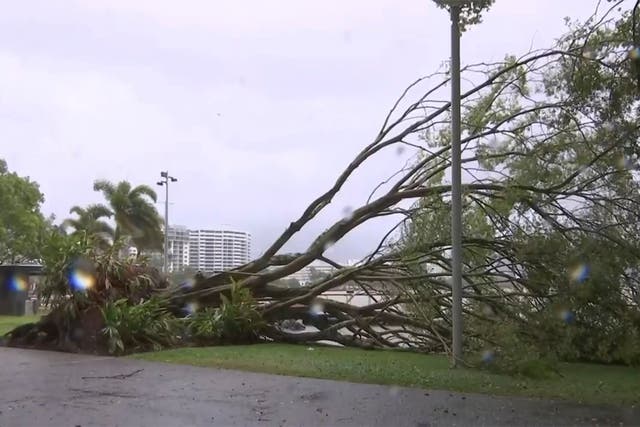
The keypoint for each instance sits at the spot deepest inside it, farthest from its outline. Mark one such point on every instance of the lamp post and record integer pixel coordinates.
(456, 182)
(165, 180)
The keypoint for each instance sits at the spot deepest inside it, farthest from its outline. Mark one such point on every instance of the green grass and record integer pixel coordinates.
(594, 384)
(7, 323)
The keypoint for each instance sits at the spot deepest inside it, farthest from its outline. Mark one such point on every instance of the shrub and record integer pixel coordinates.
(236, 320)
(241, 321)
(138, 327)
(514, 351)
(205, 326)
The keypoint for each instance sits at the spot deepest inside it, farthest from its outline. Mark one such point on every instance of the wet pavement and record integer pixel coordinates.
(39, 388)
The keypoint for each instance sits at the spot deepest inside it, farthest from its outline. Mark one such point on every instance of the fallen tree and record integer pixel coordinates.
(549, 146)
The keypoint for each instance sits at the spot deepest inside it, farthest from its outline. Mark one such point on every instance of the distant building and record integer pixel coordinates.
(218, 250)
(210, 251)
(179, 245)
(312, 272)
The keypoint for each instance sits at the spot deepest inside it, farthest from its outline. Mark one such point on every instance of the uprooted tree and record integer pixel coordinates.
(551, 235)
(549, 151)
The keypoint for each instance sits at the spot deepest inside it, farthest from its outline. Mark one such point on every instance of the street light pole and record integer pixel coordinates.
(166, 179)
(455, 7)
(456, 190)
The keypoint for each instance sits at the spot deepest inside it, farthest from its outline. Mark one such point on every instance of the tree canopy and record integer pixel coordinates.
(21, 223)
(470, 11)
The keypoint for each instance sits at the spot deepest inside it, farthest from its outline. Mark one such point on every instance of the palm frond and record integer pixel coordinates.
(104, 186)
(98, 210)
(144, 190)
(78, 210)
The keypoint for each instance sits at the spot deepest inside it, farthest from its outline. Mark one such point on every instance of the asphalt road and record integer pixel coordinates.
(39, 388)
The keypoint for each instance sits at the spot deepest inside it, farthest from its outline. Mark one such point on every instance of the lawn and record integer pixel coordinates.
(595, 384)
(7, 323)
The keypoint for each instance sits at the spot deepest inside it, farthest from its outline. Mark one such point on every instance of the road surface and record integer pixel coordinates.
(39, 388)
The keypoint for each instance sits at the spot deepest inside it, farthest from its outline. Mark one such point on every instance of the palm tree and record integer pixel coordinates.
(134, 212)
(89, 220)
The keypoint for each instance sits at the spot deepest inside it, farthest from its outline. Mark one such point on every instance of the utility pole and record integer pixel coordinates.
(456, 189)
(165, 180)
(456, 184)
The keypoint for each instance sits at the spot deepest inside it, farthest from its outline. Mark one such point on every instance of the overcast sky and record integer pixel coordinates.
(255, 106)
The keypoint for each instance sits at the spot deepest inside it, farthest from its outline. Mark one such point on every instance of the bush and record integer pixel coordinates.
(58, 256)
(205, 326)
(138, 327)
(241, 322)
(516, 352)
(236, 321)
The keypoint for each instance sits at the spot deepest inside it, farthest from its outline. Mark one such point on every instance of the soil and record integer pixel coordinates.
(82, 336)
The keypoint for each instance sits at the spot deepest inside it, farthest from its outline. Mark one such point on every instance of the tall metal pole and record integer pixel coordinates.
(166, 179)
(166, 226)
(456, 189)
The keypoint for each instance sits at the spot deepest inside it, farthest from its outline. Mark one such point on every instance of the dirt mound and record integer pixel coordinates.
(55, 332)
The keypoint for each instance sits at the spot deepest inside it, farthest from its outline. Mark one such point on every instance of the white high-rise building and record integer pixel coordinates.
(209, 251)
(212, 251)
(179, 244)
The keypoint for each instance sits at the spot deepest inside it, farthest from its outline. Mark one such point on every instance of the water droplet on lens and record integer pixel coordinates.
(579, 273)
(191, 307)
(487, 311)
(400, 150)
(567, 316)
(317, 309)
(81, 275)
(347, 213)
(188, 283)
(19, 283)
(626, 163)
(328, 245)
(488, 356)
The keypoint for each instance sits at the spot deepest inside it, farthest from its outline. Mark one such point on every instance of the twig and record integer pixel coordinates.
(114, 377)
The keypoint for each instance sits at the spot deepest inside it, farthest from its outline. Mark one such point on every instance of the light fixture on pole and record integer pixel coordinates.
(166, 179)
(456, 182)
